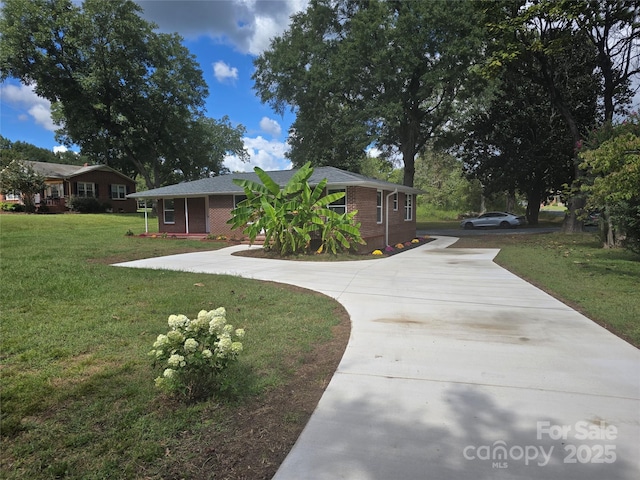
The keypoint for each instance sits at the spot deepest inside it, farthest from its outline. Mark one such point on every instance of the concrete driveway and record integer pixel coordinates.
(455, 369)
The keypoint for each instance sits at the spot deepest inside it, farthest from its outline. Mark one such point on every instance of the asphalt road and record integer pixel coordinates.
(461, 232)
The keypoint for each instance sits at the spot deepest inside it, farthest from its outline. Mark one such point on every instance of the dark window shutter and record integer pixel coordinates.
(96, 189)
(110, 191)
(75, 188)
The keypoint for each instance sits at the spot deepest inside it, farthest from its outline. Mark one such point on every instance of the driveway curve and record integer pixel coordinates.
(455, 369)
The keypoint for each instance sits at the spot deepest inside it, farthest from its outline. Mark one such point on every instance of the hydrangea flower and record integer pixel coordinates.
(161, 341)
(178, 321)
(175, 336)
(240, 333)
(190, 345)
(216, 325)
(176, 360)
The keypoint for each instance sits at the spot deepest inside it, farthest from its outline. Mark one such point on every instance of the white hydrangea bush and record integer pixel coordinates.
(194, 352)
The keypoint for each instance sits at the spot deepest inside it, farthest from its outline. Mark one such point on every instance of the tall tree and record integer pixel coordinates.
(384, 72)
(613, 28)
(122, 92)
(520, 141)
(546, 30)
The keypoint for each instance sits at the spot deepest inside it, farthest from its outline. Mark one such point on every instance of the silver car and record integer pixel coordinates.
(493, 219)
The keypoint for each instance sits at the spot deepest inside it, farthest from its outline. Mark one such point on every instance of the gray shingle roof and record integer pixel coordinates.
(64, 172)
(223, 184)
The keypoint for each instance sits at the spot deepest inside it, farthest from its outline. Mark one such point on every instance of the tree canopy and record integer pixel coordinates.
(130, 97)
(519, 141)
(379, 72)
(26, 151)
(611, 160)
(544, 33)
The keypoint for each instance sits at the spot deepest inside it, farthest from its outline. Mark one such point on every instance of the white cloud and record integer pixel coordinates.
(224, 72)
(266, 154)
(374, 152)
(22, 97)
(60, 148)
(248, 25)
(270, 126)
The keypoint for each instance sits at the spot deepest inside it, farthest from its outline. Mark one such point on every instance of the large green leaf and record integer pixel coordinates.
(249, 187)
(268, 182)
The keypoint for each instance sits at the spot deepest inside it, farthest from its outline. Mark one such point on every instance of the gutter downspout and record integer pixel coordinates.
(386, 220)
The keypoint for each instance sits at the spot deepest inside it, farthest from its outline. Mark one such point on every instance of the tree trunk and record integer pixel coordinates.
(577, 201)
(409, 160)
(510, 203)
(533, 207)
(575, 206)
(609, 235)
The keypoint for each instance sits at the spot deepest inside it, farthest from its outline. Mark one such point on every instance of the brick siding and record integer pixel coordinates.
(358, 198)
(103, 181)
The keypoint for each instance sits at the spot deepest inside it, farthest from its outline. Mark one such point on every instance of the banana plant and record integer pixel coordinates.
(290, 217)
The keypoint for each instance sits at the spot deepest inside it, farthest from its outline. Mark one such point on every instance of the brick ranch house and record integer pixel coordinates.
(62, 181)
(386, 210)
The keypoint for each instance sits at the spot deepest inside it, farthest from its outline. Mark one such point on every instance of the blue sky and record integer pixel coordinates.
(225, 36)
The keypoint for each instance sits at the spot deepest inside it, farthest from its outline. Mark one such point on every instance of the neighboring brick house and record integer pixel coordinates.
(107, 185)
(386, 210)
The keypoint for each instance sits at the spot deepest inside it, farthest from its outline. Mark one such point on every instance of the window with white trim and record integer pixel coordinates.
(408, 206)
(395, 202)
(379, 206)
(237, 199)
(169, 210)
(118, 192)
(54, 190)
(86, 189)
(340, 205)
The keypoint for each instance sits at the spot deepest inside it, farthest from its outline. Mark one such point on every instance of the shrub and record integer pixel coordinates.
(14, 207)
(194, 353)
(11, 207)
(85, 205)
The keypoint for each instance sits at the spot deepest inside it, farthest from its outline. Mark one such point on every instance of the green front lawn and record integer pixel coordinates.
(78, 397)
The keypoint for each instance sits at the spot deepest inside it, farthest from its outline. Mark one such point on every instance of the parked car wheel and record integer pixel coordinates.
(468, 226)
(505, 225)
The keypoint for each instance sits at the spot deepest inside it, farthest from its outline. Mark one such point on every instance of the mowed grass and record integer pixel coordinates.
(77, 393)
(604, 284)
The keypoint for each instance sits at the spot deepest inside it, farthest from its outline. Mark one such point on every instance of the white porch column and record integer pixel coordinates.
(186, 215)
